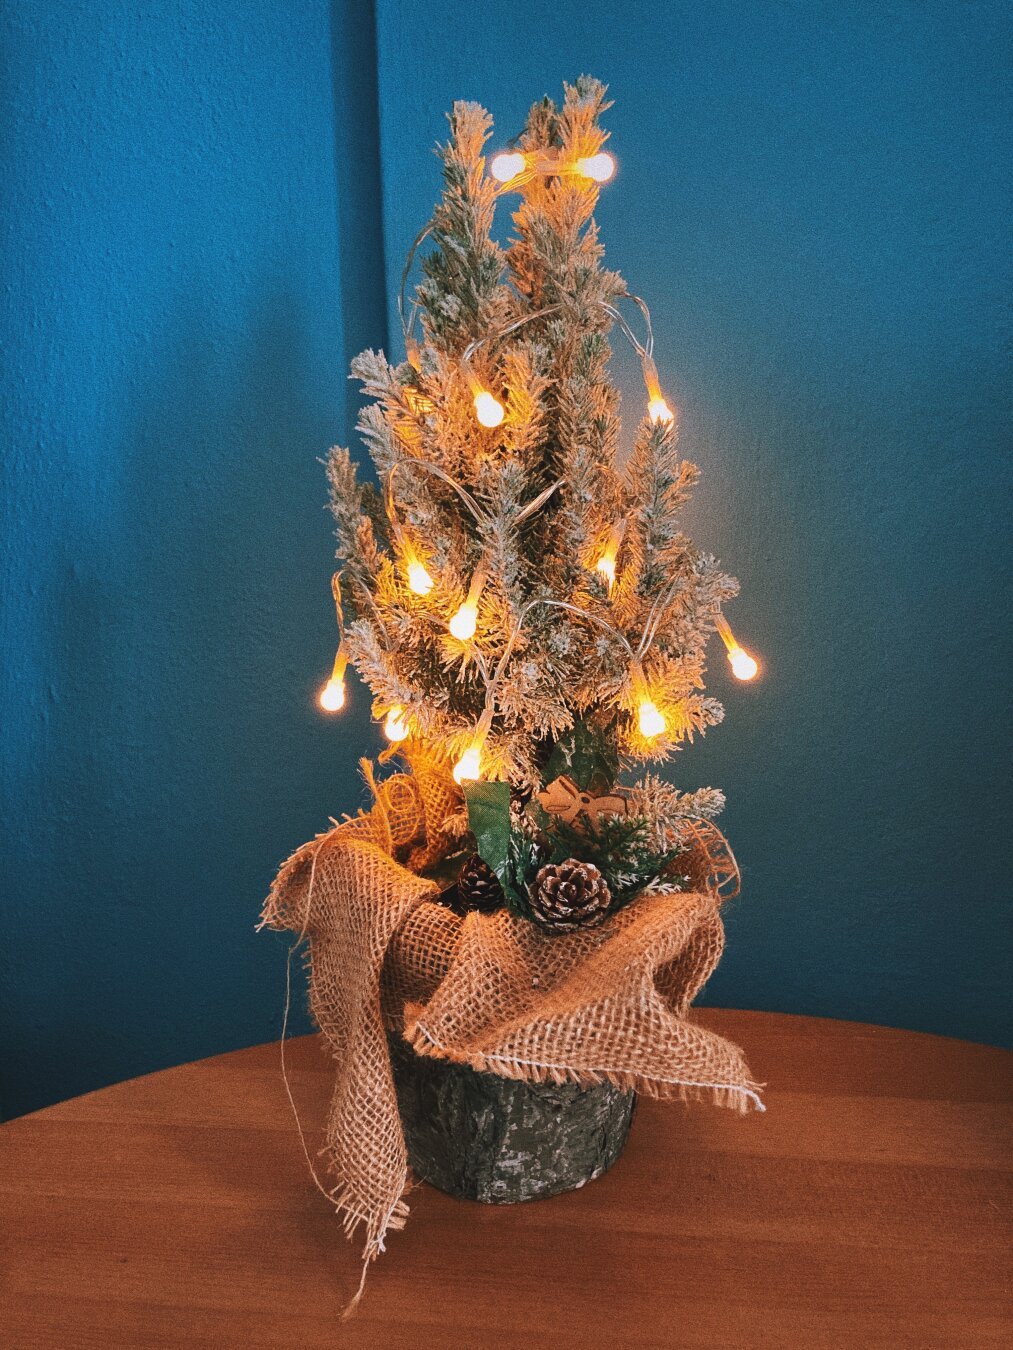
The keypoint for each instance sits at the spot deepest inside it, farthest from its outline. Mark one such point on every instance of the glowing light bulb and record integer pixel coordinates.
(419, 579)
(651, 720)
(332, 696)
(464, 622)
(657, 409)
(395, 728)
(599, 168)
(489, 411)
(744, 667)
(468, 768)
(506, 165)
(606, 565)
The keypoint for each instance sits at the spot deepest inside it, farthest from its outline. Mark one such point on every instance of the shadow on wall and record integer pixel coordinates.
(187, 755)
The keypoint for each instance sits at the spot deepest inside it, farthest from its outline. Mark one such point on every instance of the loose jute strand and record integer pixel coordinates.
(293, 948)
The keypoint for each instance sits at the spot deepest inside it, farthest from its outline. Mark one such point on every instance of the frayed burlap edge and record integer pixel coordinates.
(737, 1097)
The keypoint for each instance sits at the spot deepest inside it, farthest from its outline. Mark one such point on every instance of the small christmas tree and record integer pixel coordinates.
(517, 600)
(511, 935)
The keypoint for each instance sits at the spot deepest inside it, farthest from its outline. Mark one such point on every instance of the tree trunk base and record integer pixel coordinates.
(481, 1137)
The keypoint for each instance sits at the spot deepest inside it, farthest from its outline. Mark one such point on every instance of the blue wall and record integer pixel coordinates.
(810, 197)
(179, 315)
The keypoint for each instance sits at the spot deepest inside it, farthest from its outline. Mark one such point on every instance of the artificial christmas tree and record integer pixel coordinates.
(532, 625)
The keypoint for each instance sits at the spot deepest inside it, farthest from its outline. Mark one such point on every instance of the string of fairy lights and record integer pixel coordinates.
(513, 170)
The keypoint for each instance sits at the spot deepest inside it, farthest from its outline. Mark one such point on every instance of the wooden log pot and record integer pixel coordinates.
(481, 1137)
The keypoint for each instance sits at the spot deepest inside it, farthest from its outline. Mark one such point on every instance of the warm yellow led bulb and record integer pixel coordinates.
(659, 411)
(419, 579)
(744, 667)
(598, 167)
(652, 721)
(395, 728)
(464, 622)
(606, 565)
(489, 411)
(469, 767)
(332, 696)
(506, 165)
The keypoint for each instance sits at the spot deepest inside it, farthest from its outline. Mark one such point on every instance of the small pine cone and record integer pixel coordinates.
(478, 886)
(569, 895)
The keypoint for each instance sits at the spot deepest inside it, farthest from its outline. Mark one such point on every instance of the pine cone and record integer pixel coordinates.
(569, 895)
(478, 887)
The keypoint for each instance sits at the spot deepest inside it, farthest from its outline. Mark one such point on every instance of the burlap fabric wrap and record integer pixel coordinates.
(489, 990)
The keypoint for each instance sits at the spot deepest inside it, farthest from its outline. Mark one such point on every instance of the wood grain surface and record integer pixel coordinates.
(868, 1207)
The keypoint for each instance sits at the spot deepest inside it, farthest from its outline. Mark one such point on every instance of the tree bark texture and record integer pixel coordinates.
(491, 1139)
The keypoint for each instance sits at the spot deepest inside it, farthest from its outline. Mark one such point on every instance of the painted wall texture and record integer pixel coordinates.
(178, 315)
(812, 198)
(206, 211)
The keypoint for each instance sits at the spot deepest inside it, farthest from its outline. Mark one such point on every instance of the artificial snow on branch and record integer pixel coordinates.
(513, 578)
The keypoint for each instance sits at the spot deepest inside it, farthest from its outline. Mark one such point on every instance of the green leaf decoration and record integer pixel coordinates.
(489, 820)
(524, 865)
(585, 755)
(619, 847)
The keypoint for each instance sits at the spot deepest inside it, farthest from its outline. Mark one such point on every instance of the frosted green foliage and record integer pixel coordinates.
(668, 809)
(532, 502)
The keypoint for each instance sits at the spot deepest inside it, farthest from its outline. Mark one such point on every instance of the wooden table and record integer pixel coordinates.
(867, 1207)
